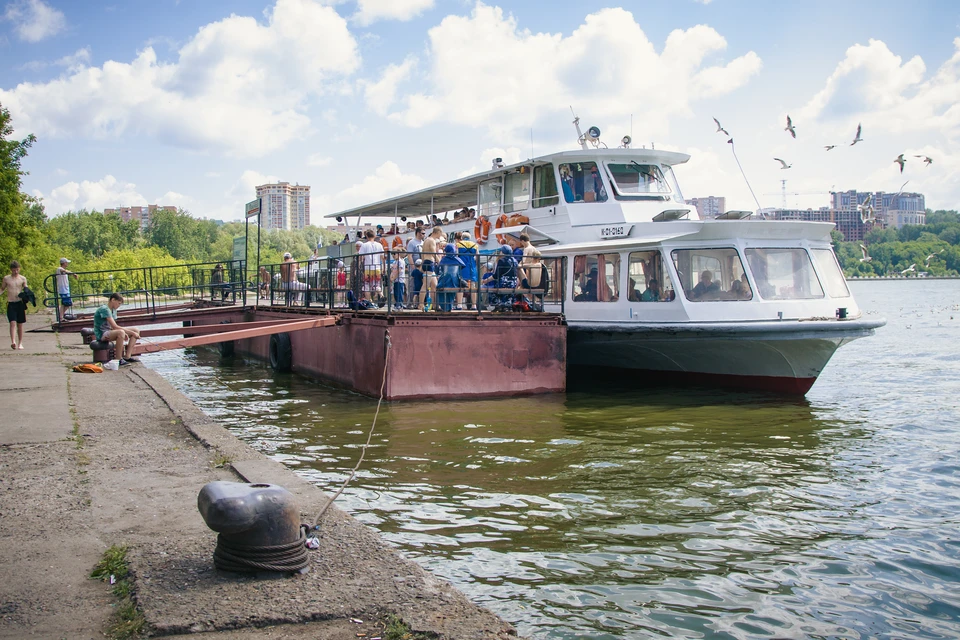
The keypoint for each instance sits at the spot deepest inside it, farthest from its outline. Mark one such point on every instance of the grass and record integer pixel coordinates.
(397, 629)
(220, 460)
(127, 620)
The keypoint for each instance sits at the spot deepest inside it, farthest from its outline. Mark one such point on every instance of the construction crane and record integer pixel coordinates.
(784, 193)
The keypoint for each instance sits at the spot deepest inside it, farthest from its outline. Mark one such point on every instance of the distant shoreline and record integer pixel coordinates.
(882, 278)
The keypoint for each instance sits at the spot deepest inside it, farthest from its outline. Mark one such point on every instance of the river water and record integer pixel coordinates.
(616, 513)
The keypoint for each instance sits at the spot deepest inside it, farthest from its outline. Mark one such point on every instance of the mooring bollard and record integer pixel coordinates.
(258, 527)
(86, 334)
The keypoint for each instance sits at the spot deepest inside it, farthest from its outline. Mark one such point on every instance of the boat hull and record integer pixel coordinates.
(782, 357)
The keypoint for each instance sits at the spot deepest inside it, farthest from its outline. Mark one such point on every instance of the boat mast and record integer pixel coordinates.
(576, 123)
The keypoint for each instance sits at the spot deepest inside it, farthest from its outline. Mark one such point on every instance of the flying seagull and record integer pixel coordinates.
(900, 160)
(866, 256)
(829, 146)
(857, 137)
(927, 160)
(790, 127)
(932, 256)
(784, 164)
(911, 268)
(901, 187)
(721, 129)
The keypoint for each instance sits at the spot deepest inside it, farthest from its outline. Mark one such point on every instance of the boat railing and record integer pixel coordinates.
(148, 289)
(479, 282)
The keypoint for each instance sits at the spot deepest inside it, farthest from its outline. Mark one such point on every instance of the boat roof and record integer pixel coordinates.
(462, 192)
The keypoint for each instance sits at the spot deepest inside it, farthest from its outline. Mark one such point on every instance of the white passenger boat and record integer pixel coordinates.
(737, 301)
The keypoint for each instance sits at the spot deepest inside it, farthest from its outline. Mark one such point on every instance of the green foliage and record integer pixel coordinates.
(933, 248)
(128, 621)
(18, 228)
(93, 233)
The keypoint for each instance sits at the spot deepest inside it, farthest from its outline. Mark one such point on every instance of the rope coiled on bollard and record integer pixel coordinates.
(288, 557)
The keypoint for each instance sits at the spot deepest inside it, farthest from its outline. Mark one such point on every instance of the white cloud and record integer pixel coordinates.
(873, 86)
(509, 155)
(209, 99)
(319, 160)
(245, 188)
(607, 67)
(385, 182)
(73, 61)
(34, 20)
(380, 95)
(369, 11)
(104, 193)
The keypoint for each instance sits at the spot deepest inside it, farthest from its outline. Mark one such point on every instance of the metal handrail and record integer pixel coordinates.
(341, 283)
(150, 289)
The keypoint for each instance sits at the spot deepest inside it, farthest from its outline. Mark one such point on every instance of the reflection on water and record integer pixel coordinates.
(617, 513)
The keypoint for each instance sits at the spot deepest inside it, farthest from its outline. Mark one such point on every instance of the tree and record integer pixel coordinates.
(17, 227)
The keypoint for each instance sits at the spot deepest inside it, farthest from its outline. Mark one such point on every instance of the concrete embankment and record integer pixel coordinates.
(94, 460)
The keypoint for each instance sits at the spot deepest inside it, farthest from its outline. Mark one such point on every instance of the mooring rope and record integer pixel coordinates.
(363, 453)
(289, 557)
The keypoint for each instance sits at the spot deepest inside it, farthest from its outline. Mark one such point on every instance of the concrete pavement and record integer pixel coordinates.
(92, 460)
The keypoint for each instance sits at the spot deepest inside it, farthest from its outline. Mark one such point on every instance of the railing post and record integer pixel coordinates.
(387, 267)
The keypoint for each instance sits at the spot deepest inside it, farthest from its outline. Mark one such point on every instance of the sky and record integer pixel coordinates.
(193, 103)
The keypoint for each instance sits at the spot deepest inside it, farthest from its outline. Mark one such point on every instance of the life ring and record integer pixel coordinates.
(517, 219)
(502, 221)
(398, 242)
(384, 244)
(481, 230)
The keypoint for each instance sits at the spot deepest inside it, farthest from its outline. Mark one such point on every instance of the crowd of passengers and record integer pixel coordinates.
(444, 273)
(396, 229)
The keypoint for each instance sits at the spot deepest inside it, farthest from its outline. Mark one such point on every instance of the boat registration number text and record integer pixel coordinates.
(616, 231)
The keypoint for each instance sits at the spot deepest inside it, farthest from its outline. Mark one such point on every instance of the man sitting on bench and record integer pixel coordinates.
(106, 329)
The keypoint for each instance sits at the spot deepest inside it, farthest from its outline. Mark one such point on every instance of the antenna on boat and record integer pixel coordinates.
(576, 123)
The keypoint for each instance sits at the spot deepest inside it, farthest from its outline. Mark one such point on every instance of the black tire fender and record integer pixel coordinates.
(281, 352)
(227, 347)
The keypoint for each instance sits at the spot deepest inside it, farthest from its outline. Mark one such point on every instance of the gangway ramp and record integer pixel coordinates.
(212, 334)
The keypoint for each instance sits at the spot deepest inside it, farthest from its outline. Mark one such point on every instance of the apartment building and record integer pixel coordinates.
(709, 207)
(142, 214)
(891, 209)
(284, 206)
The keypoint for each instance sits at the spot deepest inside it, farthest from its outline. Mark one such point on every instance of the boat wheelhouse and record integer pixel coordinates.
(651, 288)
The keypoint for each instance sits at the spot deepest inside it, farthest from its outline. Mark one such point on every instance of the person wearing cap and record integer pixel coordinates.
(416, 280)
(505, 275)
(63, 288)
(449, 270)
(469, 274)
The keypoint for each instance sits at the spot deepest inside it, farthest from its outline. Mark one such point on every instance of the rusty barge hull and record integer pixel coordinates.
(430, 355)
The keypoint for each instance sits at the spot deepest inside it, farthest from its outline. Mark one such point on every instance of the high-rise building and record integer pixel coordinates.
(848, 222)
(284, 206)
(891, 209)
(141, 214)
(709, 207)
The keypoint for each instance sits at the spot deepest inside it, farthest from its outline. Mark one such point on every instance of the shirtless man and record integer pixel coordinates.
(429, 251)
(13, 284)
(106, 329)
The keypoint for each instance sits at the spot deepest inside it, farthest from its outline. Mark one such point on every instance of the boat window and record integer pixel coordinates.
(635, 179)
(708, 275)
(582, 182)
(544, 186)
(830, 273)
(784, 274)
(672, 181)
(647, 280)
(516, 190)
(489, 198)
(596, 277)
